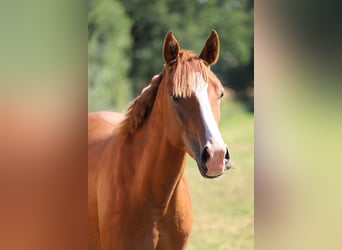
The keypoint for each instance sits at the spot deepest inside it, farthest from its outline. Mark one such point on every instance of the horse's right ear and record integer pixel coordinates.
(170, 48)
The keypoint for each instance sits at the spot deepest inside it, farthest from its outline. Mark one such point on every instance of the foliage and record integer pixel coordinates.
(192, 22)
(108, 44)
(119, 26)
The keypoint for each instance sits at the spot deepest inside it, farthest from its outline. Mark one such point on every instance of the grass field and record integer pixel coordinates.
(224, 207)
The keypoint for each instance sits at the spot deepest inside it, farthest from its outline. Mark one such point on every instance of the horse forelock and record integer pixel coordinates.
(182, 74)
(140, 107)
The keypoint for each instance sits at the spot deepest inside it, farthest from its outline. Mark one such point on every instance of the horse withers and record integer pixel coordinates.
(138, 196)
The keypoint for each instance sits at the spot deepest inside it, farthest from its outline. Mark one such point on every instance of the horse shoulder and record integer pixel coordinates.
(100, 132)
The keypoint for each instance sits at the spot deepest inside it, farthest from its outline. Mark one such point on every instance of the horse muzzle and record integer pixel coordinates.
(214, 160)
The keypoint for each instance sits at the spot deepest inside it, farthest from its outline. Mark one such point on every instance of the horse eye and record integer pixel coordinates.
(222, 94)
(175, 99)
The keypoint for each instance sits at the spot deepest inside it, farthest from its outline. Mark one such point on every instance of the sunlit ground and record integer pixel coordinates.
(224, 208)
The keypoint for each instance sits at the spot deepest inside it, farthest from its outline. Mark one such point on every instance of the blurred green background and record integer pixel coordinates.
(125, 40)
(125, 50)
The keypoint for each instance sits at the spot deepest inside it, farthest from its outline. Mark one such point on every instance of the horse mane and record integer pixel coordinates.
(180, 78)
(140, 107)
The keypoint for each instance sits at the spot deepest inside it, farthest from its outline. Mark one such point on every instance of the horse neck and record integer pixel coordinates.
(161, 166)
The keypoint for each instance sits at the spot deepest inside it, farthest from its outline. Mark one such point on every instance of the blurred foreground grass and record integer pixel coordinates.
(224, 207)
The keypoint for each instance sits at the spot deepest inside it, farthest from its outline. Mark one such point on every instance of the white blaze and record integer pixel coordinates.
(211, 129)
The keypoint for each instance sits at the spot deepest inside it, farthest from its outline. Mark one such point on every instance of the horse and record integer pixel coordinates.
(138, 196)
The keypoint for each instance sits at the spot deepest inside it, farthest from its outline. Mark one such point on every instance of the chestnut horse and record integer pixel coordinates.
(138, 196)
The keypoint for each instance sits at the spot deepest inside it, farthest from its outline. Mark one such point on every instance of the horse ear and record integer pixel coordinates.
(211, 50)
(170, 48)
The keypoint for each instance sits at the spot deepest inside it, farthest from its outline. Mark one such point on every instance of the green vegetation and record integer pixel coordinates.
(224, 208)
(108, 44)
(125, 40)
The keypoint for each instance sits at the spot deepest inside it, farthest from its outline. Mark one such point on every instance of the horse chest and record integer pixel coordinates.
(146, 227)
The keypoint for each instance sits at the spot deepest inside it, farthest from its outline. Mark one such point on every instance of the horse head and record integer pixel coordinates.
(190, 95)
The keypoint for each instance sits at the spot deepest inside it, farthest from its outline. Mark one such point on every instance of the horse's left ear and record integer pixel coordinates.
(211, 50)
(170, 48)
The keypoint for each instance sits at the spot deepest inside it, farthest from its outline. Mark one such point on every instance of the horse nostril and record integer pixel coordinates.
(227, 156)
(205, 155)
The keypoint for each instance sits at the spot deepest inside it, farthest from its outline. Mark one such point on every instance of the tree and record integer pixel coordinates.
(109, 43)
(192, 21)
(126, 36)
